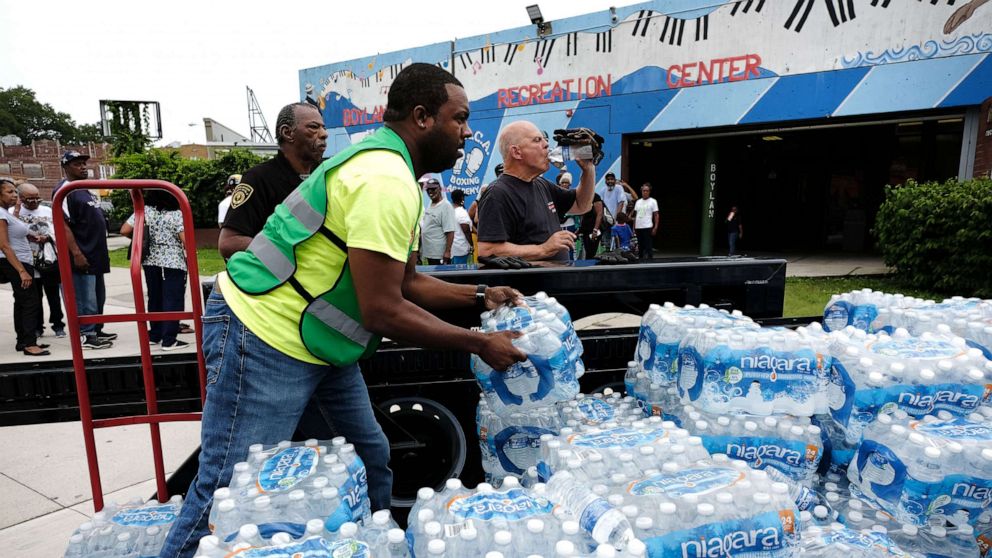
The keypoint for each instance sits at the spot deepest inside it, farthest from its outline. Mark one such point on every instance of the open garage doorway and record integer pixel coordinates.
(805, 188)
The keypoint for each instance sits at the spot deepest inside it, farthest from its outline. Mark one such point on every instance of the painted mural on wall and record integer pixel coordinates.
(683, 64)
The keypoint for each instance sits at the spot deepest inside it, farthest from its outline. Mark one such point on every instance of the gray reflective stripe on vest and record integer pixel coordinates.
(271, 257)
(303, 211)
(339, 321)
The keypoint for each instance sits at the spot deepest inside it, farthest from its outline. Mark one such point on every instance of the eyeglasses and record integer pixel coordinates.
(32, 200)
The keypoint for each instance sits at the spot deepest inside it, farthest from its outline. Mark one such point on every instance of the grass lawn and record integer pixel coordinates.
(209, 260)
(804, 296)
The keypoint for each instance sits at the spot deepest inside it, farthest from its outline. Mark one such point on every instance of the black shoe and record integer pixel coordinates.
(94, 342)
(106, 336)
(20, 347)
(42, 352)
(177, 345)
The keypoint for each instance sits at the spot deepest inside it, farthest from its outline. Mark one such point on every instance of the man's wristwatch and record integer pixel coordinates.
(480, 296)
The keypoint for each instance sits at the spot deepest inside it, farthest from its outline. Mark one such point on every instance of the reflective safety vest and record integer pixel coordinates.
(331, 323)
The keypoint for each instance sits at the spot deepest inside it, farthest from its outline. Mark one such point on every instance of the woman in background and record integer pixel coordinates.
(16, 268)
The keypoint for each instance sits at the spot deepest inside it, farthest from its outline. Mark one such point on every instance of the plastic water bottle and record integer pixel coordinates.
(596, 516)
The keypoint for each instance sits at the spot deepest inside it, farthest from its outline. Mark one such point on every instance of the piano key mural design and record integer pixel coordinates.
(683, 64)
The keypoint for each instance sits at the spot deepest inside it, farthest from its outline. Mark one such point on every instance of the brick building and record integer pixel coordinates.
(38, 163)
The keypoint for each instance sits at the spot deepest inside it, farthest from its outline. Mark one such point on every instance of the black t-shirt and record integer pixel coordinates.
(734, 223)
(88, 226)
(262, 188)
(525, 213)
(589, 218)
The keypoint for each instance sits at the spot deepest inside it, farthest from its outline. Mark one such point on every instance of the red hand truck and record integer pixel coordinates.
(141, 318)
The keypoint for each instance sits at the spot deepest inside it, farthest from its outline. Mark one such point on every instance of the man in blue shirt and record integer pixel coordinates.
(86, 236)
(613, 197)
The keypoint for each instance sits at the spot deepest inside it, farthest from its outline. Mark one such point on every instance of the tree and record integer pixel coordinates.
(22, 115)
(127, 122)
(201, 179)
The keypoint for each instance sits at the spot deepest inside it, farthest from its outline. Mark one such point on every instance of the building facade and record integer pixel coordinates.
(38, 163)
(799, 112)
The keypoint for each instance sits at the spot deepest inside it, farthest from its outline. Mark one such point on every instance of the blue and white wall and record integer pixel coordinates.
(668, 65)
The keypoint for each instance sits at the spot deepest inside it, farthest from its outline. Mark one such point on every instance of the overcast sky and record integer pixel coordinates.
(196, 58)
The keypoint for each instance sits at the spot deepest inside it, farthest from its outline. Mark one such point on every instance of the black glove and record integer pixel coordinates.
(578, 136)
(504, 262)
(582, 136)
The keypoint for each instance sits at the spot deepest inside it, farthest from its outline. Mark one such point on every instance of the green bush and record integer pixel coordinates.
(201, 180)
(939, 236)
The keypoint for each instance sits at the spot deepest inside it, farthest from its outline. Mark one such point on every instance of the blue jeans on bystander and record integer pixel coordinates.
(91, 293)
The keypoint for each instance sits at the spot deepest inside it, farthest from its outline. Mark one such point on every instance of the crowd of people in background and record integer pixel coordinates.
(518, 214)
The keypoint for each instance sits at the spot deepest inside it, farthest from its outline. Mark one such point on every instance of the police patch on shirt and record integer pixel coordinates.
(241, 194)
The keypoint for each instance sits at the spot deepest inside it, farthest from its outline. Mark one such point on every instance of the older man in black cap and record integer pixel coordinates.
(86, 237)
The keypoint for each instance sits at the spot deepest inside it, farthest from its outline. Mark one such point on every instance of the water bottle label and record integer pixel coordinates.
(957, 429)
(544, 471)
(840, 392)
(665, 368)
(314, 547)
(884, 478)
(518, 447)
(915, 348)
(837, 316)
(986, 351)
(880, 473)
(618, 438)
(511, 505)
(452, 530)
(355, 491)
(760, 375)
(771, 534)
(869, 541)
(984, 544)
(687, 481)
(344, 548)
(591, 514)
(146, 516)
(595, 411)
(554, 373)
(646, 343)
(915, 400)
(796, 458)
(958, 499)
(286, 468)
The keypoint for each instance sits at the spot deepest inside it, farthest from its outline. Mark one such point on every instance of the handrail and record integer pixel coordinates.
(141, 318)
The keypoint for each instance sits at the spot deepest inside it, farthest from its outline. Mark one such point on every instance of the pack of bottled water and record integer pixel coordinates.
(599, 408)
(925, 472)
(612, 455)
(655, 399)
(511, 444)
(710, 507)
(872, 373)
(511, 521)
(983, 535)
(969, 318)
(664, 326)
(865, 309)
(793, 445)
(136, 529)
(554, 357)
(282, 487)
(760, 372)
(833, 540)
(379, 537)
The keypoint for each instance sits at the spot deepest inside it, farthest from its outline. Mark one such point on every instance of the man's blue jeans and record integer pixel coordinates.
(91, 293)
(256, 394)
